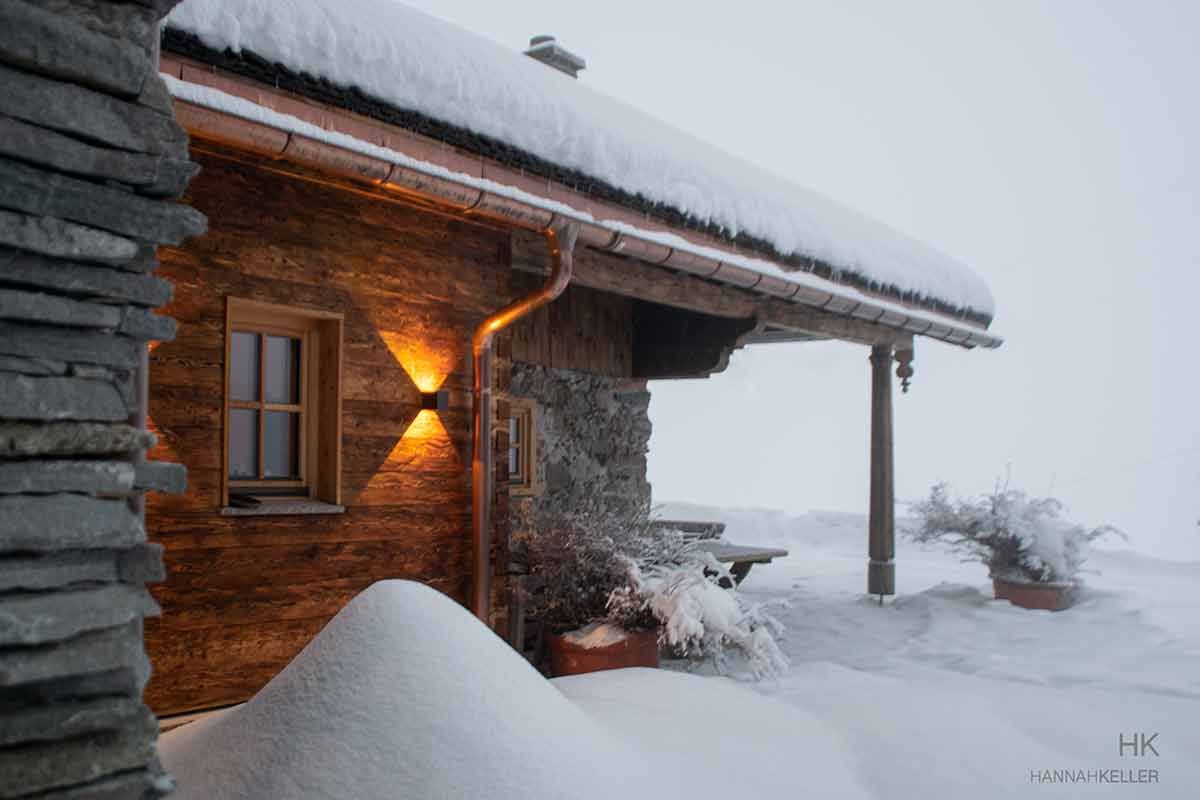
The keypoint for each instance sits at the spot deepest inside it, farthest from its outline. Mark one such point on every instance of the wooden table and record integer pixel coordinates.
(740, 557)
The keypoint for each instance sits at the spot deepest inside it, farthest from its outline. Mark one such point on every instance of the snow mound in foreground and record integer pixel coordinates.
(405, 694)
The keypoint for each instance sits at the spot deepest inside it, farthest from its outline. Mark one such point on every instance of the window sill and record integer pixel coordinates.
(276, 508)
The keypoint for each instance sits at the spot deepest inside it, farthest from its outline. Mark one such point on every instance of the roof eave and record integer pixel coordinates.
(475, 186)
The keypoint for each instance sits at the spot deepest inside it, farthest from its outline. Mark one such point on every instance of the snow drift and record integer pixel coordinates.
(945, 693)
(405, 694)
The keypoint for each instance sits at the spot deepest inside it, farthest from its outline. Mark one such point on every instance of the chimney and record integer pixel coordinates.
(546, 50)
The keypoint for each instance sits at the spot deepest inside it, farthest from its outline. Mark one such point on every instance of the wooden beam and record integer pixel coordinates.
(881, 569)
(631, 278)
(676, 343)
(625, 276)
(826, 325)
(776, 336)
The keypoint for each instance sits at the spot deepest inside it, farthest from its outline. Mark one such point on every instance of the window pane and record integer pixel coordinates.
(282, 456)
(283, 370)
(243, 366)
(514, 463)
(514, 429)
(243, 443)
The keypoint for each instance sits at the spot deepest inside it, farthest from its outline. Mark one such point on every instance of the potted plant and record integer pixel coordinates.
(1033, 554)
(576, 562)
(612, 588)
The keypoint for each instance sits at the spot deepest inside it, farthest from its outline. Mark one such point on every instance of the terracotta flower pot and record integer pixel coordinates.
(571, 657)
(1038, 596)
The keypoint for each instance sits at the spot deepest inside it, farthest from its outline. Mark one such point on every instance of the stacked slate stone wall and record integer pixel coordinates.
(91, 160)
(593, 433)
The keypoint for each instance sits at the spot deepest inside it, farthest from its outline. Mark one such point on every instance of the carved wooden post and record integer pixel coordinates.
(881, 570)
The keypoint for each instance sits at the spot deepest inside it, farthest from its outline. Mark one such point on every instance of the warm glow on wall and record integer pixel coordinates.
(426, 426)
(428, 367)
(425, 438)
(164, 450)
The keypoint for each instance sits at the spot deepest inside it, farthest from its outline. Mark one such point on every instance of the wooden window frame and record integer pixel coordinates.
(305, 408)
(525, 411)
(320, 407)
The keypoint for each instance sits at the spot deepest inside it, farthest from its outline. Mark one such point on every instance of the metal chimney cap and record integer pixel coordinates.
(545, 49)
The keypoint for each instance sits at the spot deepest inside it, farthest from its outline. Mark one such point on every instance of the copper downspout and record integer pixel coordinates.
(560, 236)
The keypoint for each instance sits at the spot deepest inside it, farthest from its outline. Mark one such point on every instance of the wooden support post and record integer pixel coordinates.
(881, 570)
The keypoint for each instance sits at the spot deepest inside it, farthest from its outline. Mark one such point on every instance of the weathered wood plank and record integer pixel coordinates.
(412, 287)
(805, 319)
(193, 666)
(630, 278)
(215, 667)
(358, 524)
(655, 284)
(211, 587)
(584, 329)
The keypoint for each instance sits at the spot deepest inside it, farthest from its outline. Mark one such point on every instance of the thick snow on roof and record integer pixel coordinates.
(215, 99)
(417, 62)
(405, 694)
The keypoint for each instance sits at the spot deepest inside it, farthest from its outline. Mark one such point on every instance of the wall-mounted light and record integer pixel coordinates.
(435, 401)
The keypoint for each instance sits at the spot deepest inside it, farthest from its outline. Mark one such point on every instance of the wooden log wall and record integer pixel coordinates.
(586, 330)
(244, 594)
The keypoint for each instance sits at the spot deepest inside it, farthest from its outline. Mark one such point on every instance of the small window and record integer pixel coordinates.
(267, 406)
(283, 404)
(522, 447)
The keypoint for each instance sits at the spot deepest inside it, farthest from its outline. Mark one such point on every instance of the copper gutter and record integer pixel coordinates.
(561, 237)
(462, 197)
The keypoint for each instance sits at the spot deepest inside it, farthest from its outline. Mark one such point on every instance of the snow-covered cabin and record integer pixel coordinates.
(378, 183)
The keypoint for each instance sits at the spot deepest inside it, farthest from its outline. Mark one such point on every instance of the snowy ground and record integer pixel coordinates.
(940, 694)
(404, 694)
(946, 693)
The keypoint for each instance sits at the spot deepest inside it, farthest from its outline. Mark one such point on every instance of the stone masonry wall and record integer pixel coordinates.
(90, 160)
(592, 434)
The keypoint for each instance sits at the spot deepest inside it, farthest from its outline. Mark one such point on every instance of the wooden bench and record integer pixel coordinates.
(740, 557)
(692, 529)
(707, 536)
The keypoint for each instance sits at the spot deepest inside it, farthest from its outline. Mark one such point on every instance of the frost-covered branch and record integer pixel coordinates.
(626, 570)
(1017, 536)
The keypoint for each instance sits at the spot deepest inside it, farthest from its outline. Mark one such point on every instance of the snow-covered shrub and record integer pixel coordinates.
(581, 559)
(1018, 537)
(625, 570)
(702, 619)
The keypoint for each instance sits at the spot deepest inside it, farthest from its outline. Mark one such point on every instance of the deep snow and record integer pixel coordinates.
(418, 62)
(946, 693)
(940, 693)
(404, 694)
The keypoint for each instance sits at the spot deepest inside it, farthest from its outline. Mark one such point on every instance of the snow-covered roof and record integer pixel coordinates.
(417, 63)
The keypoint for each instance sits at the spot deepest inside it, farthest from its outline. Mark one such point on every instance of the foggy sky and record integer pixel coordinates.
(1049, 145)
